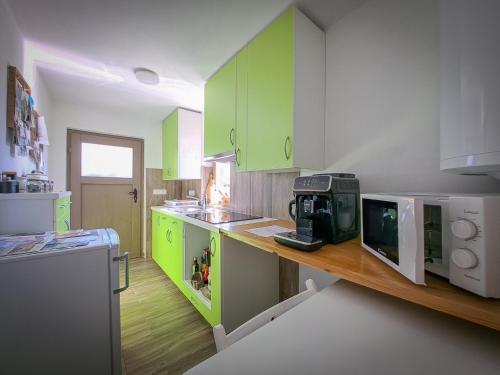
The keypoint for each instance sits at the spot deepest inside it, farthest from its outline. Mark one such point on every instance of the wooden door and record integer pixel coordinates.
(105, 177)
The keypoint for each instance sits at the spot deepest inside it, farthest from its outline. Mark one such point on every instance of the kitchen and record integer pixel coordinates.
(381, 116)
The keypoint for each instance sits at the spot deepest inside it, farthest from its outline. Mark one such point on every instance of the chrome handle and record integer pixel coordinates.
(61, 206)
(231, 136)
(288, 141)
(212, 247)
(127, 281)
(238, 152)
(67, 224)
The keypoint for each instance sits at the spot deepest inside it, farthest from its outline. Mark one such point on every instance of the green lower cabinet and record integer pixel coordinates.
(63, 214)
(175, 250)
(210, 310)
(160, 239)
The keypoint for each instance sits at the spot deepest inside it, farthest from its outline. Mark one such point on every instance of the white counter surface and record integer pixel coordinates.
(204, 224)
(51, 195)
(347, 329)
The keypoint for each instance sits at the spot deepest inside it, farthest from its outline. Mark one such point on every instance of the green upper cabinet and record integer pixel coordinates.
(286, 95)
(241, 109)
(170, 146)
(220, 111)
(181, 147)
(270, 96)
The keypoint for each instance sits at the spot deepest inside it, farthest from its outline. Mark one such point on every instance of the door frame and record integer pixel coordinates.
(70, 131)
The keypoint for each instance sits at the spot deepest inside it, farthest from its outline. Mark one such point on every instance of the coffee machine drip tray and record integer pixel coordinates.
(298, 241)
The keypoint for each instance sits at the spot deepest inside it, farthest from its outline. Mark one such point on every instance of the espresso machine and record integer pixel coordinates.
(326, 211)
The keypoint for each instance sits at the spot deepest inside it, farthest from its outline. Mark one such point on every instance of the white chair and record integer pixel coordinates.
(223, 340)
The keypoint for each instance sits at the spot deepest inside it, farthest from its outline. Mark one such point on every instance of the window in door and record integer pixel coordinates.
(106, 161)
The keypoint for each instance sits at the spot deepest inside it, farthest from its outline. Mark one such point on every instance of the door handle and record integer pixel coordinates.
(134, 193)
(127, 281)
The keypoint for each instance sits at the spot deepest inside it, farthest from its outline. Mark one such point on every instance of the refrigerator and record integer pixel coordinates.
(60, 304)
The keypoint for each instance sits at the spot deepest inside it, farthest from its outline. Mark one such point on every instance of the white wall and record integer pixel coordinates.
(382, 99)
(11, 53)
(382, 103)
(77, 116)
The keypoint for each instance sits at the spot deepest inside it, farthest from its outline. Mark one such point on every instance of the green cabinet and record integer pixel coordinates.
(167, 244)
(271, 96)
(220, 111)
(241, 109)
(278, 84)
(182, 143)
(209, 309)
(63, 214)
(170, 146)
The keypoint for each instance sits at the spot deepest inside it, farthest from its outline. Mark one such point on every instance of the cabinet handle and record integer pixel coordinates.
(213, 246)
(67, 224)
(61, 206)
(167, 235)
(127, 283)
(231, 136)
(238, 152)
(288, 141)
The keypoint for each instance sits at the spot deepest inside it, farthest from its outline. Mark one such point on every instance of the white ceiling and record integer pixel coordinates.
(183, 41)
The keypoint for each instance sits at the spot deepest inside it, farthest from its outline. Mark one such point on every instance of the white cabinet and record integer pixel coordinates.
(35, 212)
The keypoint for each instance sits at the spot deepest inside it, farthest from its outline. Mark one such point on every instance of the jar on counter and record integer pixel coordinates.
(35, 186)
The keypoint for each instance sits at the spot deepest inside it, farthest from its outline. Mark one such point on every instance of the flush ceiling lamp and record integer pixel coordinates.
(146, 76)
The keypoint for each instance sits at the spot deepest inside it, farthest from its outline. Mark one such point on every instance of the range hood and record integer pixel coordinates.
(223, 157)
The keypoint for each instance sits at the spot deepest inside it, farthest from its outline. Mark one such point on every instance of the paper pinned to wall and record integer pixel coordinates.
(268, 231)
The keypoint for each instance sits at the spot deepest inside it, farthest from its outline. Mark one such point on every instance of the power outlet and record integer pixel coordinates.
(159, 191)
(191, 193)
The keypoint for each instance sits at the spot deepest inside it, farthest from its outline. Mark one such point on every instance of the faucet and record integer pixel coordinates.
(202, 201)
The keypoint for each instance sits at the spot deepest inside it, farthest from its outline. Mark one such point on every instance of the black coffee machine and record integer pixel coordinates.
(326, 211)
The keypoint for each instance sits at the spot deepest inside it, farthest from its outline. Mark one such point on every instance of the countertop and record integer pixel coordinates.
(349, 261)
(50, 195)
(204, 224)
(347, 329)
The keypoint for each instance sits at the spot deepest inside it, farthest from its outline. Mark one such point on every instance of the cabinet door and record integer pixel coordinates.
(63, 214)
(163, 243)
(175, 253)
(241, 109)
(271, 96)
(220, 111)
(170, 147)
(155, 235)
(215, 278)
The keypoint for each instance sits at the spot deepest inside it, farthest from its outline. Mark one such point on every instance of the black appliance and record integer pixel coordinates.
(326, 211)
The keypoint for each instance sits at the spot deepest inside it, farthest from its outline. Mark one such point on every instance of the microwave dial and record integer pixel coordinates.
(464, 229)
(464, 258)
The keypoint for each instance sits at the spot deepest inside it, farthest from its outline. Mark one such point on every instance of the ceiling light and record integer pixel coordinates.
(146, 76)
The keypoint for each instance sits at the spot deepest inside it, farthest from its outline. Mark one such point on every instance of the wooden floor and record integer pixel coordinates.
(162, 333)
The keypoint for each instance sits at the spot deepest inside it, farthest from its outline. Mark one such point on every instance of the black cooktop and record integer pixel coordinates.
(222, 217)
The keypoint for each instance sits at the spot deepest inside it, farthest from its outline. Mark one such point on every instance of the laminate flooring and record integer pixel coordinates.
(162, 333)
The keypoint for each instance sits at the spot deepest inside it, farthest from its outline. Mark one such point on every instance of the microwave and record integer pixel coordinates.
(455, 236)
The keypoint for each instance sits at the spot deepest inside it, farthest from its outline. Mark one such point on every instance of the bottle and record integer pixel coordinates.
(196, 267)
(203, 262)
(206, 275)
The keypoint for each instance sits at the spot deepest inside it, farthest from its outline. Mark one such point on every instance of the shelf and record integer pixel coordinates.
(349, 261)
(198, 294)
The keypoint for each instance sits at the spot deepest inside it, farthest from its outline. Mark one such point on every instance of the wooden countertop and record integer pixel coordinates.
(349, 261)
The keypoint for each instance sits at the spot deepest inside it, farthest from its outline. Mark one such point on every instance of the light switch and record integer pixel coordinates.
(159, 191)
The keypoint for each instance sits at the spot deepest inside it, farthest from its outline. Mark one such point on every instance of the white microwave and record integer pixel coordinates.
(451, 235)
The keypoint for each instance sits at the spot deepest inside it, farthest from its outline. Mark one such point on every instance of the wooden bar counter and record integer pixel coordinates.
(349, 261)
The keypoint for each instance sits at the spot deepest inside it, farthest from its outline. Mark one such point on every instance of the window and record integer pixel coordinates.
(222, 188)
(106, 161)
